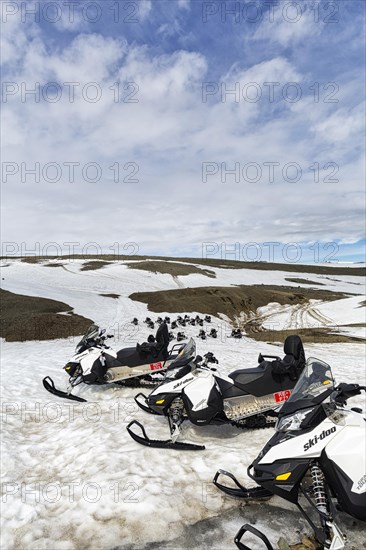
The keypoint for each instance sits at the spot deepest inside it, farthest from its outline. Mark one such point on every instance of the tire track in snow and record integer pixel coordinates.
(300, 316)
(178, 282)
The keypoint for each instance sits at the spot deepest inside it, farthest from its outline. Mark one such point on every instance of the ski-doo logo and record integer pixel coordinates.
(156, 366)
(314, 440)
(83, 354)
(361, 483)
(183, 382)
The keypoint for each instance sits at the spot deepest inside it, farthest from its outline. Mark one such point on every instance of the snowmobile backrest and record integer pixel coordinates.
(162, 336)
(295, 355)
(294, 361)
(293, 346)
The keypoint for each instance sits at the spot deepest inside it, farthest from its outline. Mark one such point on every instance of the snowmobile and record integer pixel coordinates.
(96, 363)
(317, 453)
(236, 333)
(246, 398)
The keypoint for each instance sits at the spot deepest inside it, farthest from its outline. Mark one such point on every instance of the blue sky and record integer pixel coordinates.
(196, 165)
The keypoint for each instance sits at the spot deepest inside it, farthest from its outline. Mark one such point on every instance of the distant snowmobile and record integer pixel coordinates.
(317, 452)
(246, 398)
(96, 363)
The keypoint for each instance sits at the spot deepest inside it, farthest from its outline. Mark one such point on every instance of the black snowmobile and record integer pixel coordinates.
(317, 454)
(246, 398)
(96, 363)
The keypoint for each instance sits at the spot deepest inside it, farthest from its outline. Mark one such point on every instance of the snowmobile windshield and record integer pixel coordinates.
(315, 384)
(91, 334)
(186, 354)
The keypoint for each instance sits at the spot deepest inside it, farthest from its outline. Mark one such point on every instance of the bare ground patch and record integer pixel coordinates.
(302, 281)
(316, 335)
(210, 262)
(111, 295)
(93, 265)
(171, 268)
(234, 301)
(230, 301)
(33, 318)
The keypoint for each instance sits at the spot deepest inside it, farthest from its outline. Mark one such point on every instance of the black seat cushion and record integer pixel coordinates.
(267, 377)
(132, 357)
(126, 355)
(148, 352)
(258, 381)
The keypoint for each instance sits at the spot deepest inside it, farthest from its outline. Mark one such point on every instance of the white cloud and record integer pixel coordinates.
(72, 21)
(292, 22)
(145, 7)
(14, 39)
(184, 4)
(169, 132)
(341, 125)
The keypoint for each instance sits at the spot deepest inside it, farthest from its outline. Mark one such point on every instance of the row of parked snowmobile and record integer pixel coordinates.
(316, 455)
(183, 322)
(179, 321)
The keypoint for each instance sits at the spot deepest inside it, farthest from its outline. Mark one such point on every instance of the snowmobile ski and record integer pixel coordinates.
(246, 528)
(49, 385)
(158, 443)
(144, 405)
(240, 491)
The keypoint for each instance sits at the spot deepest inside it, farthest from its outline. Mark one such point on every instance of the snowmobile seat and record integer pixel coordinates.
(258, 380)
(148, 352)
(271, 373)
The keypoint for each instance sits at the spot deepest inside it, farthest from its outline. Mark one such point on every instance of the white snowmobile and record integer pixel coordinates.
(96, 363)
(317, 452)
(246, 398)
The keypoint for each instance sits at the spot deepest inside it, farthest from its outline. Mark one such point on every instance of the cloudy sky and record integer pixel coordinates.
(176, 123)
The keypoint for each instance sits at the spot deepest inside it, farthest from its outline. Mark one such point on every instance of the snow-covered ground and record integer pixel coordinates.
(72, 478)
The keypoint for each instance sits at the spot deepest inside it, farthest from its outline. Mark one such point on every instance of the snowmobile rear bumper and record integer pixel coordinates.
(240, 491)
(250, 529)
(158, 443)
(49, 385)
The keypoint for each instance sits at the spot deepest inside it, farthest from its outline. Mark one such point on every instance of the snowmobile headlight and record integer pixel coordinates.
(71, 368)
(292, 422)
(283, 477)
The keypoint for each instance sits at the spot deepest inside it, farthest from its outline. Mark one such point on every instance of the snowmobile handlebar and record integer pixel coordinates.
(204, 363)
(209, 358)
(346, 391)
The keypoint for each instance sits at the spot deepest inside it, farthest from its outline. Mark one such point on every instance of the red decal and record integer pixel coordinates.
(156, 366)
(282, 396)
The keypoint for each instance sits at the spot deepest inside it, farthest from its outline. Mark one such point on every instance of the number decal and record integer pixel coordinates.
(156, 366)
(282, 396)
